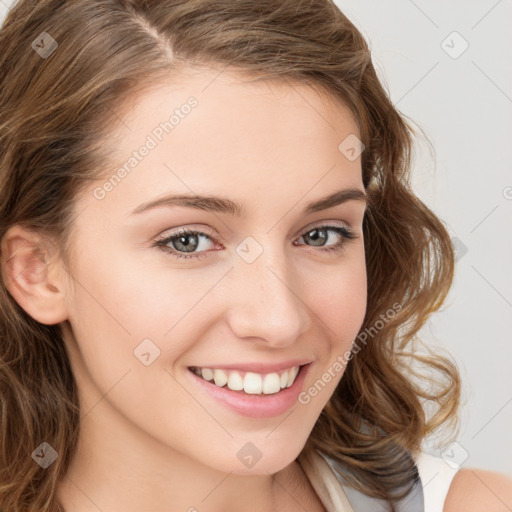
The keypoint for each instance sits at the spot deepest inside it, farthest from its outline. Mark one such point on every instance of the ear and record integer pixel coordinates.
(34, 274)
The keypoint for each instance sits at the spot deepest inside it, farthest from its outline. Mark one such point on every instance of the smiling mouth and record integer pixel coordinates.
(249, 382)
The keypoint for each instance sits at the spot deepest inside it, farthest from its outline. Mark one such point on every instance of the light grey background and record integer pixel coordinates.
(464, 106)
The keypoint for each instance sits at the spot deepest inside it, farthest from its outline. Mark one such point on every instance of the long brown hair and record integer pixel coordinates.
(56, 108)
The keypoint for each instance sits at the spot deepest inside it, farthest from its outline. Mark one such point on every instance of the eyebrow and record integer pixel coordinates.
(224, 205)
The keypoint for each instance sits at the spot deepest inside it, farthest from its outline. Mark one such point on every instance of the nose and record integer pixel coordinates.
(267, 300)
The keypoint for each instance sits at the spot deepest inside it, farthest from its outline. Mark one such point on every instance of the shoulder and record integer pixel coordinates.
(475, 490)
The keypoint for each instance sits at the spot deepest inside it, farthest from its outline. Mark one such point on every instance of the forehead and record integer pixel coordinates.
(239, 135)
(231, 99)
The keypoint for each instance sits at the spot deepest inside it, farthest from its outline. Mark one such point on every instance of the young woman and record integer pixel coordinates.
(213, 267)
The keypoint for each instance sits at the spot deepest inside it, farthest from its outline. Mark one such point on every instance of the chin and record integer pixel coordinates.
(257, 455)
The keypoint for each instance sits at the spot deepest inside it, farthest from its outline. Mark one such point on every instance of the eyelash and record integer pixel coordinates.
(347, 236)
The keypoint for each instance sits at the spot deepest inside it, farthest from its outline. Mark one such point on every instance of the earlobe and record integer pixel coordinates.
(29, 264)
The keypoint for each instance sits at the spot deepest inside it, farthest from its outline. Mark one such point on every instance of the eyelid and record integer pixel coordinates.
(326, 223)
(213, 234)
(203, 229)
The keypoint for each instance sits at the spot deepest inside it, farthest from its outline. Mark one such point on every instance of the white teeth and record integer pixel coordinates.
(271, 383)
(284, 379)
(235, 381)
(220, 377)
(251, 383)
(207, 374)
(291, 376)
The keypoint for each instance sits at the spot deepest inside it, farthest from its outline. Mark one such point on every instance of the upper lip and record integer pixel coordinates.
(256, 367)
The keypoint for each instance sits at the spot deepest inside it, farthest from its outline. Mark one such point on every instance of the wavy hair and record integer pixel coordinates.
(55, 110)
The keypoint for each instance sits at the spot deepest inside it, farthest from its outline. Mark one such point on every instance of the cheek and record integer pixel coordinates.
(340, 304)
(339, 299)
(124, 299)
(129, 296)
(113, 310)
(119, 315)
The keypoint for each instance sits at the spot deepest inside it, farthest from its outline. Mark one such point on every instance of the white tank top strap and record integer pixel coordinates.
(324, 482)
(436, 476)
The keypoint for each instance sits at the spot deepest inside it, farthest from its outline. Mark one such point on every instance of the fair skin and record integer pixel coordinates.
(479, 490)
(151, 438)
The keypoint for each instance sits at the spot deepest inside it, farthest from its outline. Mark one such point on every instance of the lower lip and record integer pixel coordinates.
(255, 406)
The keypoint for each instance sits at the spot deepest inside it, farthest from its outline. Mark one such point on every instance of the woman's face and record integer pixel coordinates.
(256, 288)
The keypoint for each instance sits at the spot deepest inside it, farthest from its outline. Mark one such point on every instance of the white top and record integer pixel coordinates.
(428, 495)
(436, 477)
